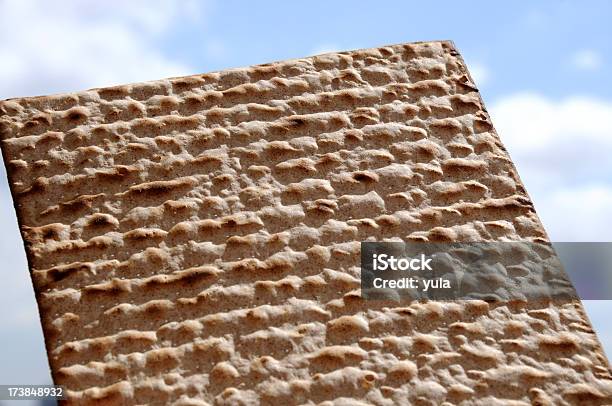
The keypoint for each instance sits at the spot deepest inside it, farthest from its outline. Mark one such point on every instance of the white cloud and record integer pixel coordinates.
(530, 121)
(586, 59)
(579, 213)
(561, 149)
(82, 44)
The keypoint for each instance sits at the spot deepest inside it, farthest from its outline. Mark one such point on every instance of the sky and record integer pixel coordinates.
(544, 70)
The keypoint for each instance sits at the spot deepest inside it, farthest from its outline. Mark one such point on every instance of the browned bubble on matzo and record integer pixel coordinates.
(196, 240)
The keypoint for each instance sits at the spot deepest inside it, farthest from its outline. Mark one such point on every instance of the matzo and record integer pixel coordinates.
(196, 240)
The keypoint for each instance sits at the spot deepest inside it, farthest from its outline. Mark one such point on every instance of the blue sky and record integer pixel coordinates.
(544, 69)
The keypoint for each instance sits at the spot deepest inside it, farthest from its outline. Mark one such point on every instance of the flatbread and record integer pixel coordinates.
(196, 240)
